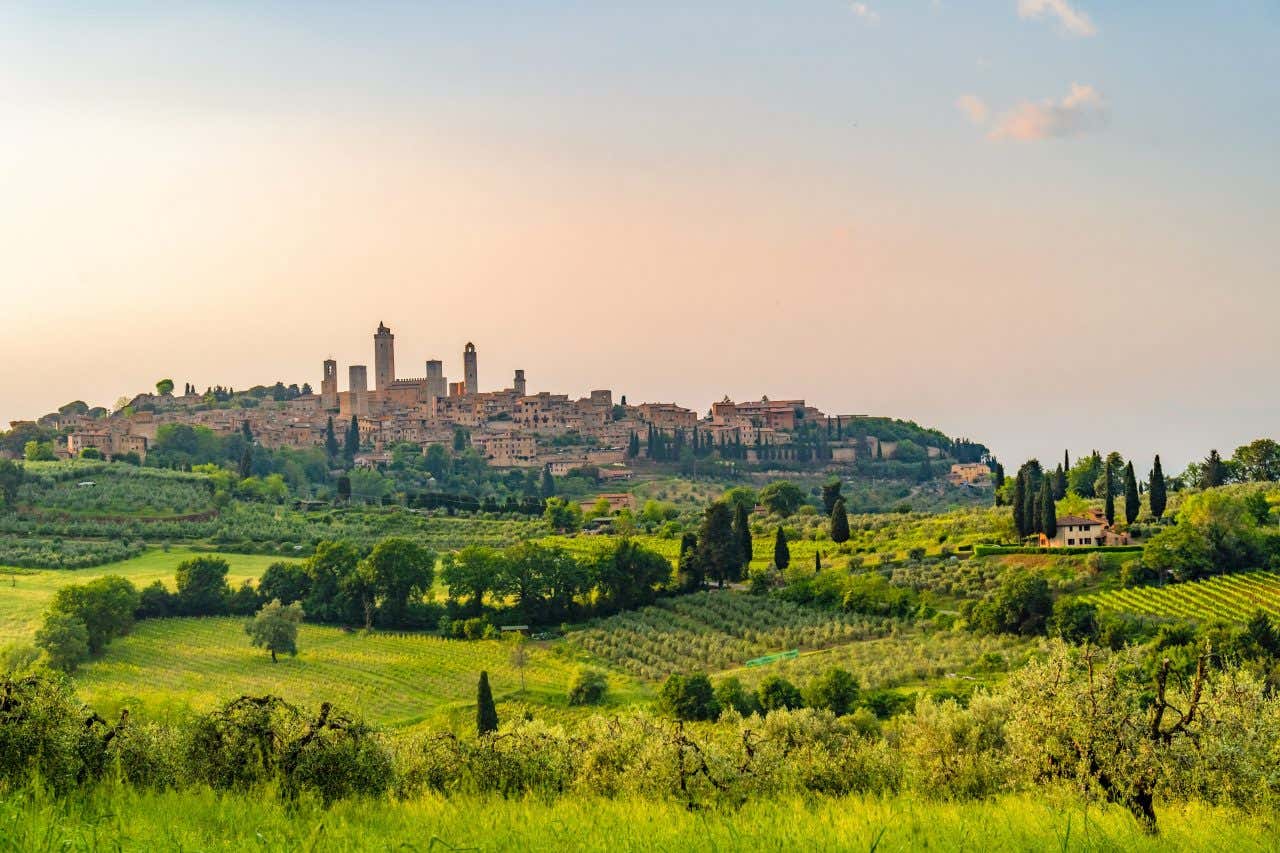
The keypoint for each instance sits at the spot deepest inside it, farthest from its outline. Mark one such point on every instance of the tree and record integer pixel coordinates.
(1074, 621)
(486, 711)
(11, 476)
(397, 569)
(64, 639)
(39, 451)
(776, 693)
(839, 523)
(202, 586)
(1157, 494)
(925, 474)
(998, 482)
(1059, 483)
(742, 533)
(627, 575)
(781, 553)
(1020, 605)
(836, 690)
(1258, 461)
(1132, 503)
(563, 515)
(471, 573)
(1213, 472)
(330, 442)
(782, 497)
(633, 445)
(164, 387)
(246, 463)
(105, 606)
(589, 687)
(547, 485)
(688, 697)
(719, 553)
(1048, 509)
(285, 582)
(352, 446)
(1108, 497)
(1019, 504)
(520, 657)
(830, 494)
(275, 628)
(689, 572)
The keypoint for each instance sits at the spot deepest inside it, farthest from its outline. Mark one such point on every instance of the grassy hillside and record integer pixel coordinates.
(393, 679)
(24, 593)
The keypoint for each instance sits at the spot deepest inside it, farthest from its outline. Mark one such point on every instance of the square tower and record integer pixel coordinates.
(470, 376)
(329, 385)
(384, 358)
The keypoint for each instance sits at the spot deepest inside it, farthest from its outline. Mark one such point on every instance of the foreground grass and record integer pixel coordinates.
(126, 819)
(390, 679)
(24, 596)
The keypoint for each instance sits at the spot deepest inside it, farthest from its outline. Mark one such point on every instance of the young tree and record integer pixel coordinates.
(689, 572)
(781, 553)
(1132, 502)
(520, 657)
(486, 711)
(782, 497)
(275, 628)
(839, 523)
(1157, 492)
(164, 387)
(689, 697)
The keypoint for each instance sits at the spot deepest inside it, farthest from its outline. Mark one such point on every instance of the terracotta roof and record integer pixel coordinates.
(1075, 519)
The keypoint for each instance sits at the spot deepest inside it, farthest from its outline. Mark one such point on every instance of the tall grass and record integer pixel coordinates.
(128, 819)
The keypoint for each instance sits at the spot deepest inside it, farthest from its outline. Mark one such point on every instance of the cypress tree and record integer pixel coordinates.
(1048, 509)
(689, 572)
(246, 463)
(633, 446)
(999, 482)
(742, 533)
(830, 494)
(1066, 460)
(1109, 497)
(781, 553)
(246, 431)
(330, 442)
(486, 711)
(839, 523)
(1019, 503)
(1159, 497)
(353, 440)
(547, 484)
(817, 562)
(1214, 472)
(1132, 503)
(1059, 483)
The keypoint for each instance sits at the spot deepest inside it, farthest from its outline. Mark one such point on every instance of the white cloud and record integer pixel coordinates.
(1082, 110)
(866, 13)
(1073, 20)
(973, 107)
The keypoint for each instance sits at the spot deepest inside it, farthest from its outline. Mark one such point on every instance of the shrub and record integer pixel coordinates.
(731, 694)
(64, 640)
(836, 690)
(589, 687)
(775, 693)
(688, 697)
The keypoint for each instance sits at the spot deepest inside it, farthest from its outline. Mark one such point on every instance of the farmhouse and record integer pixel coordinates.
(1075, 531)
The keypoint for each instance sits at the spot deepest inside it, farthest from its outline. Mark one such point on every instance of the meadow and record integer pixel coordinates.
(394, 679)
(133, 819)
(25, 593)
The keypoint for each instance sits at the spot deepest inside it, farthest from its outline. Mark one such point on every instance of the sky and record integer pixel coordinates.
(1041, 224)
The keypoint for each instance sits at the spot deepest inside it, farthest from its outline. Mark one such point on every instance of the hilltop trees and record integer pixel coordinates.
(275, 628)
(164, 387)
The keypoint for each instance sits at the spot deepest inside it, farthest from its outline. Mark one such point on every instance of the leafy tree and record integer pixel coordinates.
(11, 476)
(155, 602)
(486, 711)
(776, 693)
(563, 515)
(1216, 533)
(1082, 478)
(164, 387)
(64, 639)
(470, 574)
(1074, 621)
(275, 628)
(1132, 503)
(839, 523)
(835, 690)
(1021, 604)
(782, 497)
(39, 451)
(397, 569)
(730, 693)
(1258, 461)
(781, 553)
(688, 697)
(202, 586)
(719, 554)
(105, 606)
(627, 575)
(589, 687)
(285, 582)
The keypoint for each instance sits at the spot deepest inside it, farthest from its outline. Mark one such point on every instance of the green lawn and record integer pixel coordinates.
(391, 679)
(24, 596)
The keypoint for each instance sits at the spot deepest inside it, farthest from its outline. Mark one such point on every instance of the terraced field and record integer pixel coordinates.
(392, 679)
(1231, 597)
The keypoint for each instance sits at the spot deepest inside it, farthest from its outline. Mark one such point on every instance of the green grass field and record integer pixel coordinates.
(24, 596)
(392, 679)
(124, 819)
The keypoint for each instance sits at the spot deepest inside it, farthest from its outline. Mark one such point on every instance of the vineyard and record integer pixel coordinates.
(713, 631)
(1231, 597)
(393, 679)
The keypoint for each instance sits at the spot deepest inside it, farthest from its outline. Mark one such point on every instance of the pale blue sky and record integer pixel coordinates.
(674, 202)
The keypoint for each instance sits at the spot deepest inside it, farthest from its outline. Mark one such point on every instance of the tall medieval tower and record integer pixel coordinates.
(469, 373)
(384, 358)
(329, 385)
(521, 388)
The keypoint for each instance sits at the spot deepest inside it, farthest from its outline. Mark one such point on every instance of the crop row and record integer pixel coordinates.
(1230, 597)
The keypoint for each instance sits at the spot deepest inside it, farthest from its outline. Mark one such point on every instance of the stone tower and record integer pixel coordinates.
(437, 385)
(521, 388)
(358, 383)
(329, 385)
(384, 358)
(469, 374)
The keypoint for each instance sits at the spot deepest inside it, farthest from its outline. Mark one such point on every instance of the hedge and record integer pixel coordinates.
(990, 550)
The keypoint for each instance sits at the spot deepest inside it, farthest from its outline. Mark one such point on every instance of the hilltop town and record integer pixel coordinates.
(510, 428)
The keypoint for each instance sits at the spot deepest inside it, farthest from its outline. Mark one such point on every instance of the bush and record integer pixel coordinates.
(836, 690)
(589, 687)
(688, 697)
(775, 693)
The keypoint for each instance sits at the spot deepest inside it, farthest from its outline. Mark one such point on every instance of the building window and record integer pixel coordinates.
(1071, 542)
